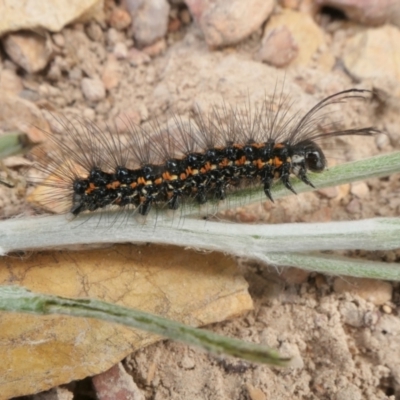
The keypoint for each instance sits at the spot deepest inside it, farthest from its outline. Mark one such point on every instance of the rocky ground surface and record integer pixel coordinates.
(142, 60)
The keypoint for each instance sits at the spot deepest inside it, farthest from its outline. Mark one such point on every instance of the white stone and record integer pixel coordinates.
(229, 21)
(371, 54)
(93, 89)
(149, 20)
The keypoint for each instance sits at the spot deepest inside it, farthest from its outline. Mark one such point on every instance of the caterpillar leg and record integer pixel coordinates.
(267, 178)
(285, 174)
(145, 207)
(303, 177)
(175, 202)
(286, 182)
(220, 193)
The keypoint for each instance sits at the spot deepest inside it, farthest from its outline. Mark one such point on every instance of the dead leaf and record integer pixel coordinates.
(39, 352)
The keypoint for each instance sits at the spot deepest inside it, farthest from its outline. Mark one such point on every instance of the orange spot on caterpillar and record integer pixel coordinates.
(113, 185)
(167, 176)
(277, 162)
(224, 163)
(90, 188)
(258, 163)
(241, 161)
(206, 168)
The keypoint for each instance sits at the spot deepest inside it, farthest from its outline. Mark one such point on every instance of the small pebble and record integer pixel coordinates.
(298, 39)
(255, 393)
(174, 25)
(187, 362)
(93, 89)
(111, 74)
(354, 206)
(156, 48)
(351, 314)
(94, 31)
(185, 17)
(54, 72)
(344, 190)
(149, 20)
(364, 51)
(119, 19)
(371, 318)
(387, 309)
(29, 95)
(278, 47)
(58, 39)
(120, 51)
(375, 291)
(330, 192)
(116, 383)
(348, 392)
(28, 50)
(47, 90)
(137, 57)
(295, 276)
(382, 141)
(321, 282)
(75, 74)
(114, 37)
(359, 189)
(225, 22)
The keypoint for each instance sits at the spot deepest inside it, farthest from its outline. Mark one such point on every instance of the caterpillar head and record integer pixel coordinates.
(314, 158)
(312, 155)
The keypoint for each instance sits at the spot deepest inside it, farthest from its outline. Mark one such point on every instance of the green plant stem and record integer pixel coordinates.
(334, 265)
(17, 299)
(239, 239)
(259, 242)
(14, 143)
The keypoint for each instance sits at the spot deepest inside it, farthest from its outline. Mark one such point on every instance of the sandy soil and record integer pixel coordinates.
(347, 347)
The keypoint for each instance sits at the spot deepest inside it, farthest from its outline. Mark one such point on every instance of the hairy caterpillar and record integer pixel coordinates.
(190, 160)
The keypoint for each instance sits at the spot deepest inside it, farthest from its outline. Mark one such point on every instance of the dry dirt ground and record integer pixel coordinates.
(348, 347)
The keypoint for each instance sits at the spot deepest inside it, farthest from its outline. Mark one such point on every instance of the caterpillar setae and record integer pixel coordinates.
(197, 159)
